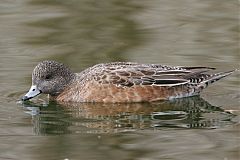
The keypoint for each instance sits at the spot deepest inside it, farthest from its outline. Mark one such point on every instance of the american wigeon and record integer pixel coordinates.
(119, 82)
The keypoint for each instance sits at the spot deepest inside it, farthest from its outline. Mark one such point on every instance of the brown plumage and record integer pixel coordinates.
(120, 82)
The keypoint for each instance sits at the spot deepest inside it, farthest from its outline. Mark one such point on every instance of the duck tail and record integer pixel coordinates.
(215, 77)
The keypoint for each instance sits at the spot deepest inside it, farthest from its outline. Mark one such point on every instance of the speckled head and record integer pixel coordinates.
(49, 77)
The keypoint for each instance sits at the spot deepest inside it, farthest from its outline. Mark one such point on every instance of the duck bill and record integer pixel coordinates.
(33, 92)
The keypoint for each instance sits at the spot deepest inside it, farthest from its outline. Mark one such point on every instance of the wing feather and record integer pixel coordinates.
(128, 74)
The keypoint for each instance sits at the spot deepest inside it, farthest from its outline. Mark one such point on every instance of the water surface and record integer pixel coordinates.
(83, 33)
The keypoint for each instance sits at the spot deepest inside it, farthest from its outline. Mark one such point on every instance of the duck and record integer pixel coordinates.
(120, 82)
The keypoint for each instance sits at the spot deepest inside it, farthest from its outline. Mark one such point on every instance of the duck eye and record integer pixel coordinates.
(48, 77)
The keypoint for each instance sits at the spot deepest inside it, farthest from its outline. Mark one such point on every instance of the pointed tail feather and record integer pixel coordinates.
(215, 77)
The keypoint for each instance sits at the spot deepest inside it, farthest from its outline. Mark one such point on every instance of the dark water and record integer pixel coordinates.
(86, 32)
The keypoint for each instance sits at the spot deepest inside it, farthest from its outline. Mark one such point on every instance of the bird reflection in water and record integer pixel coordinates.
(192, 112)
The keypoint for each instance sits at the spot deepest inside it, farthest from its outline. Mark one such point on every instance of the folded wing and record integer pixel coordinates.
(152, 74)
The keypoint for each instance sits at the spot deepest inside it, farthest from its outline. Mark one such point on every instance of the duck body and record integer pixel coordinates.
(120, 82)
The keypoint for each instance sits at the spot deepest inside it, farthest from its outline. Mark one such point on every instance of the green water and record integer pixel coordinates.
(85, 32)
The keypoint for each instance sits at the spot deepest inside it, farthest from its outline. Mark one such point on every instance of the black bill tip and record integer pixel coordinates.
(25, 98)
